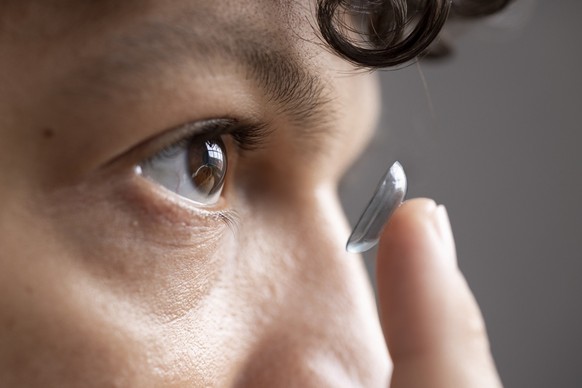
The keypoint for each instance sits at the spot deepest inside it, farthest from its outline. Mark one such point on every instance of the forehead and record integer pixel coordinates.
(93, 44)
(131, 34)
(51, 17)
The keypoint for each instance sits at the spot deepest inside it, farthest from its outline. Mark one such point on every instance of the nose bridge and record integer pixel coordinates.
(326, 332)
(314, 234)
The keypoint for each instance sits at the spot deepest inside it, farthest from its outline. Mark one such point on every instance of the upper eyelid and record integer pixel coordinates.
(254, 135)
(182, 134)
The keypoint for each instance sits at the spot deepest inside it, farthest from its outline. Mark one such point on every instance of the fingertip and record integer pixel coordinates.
(406, 217)
(409, 231)
(417, 226)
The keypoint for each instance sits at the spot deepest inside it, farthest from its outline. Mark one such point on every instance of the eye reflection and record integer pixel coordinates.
(194, 169)
(207, 164)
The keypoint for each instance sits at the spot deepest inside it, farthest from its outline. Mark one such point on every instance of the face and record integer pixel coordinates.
(168, 207)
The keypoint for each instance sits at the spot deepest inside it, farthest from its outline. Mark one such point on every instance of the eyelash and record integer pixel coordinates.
(246, 136)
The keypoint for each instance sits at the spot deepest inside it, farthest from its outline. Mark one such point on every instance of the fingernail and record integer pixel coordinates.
(443, 227)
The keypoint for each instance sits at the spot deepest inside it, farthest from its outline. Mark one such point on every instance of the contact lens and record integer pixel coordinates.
(388, 196)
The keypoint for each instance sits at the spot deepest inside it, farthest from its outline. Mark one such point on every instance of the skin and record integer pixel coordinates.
(108, 279)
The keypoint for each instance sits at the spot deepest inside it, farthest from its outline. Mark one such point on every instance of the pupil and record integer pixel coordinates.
(207, 164)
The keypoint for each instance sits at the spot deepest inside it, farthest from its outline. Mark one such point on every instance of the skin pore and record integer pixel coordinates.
(109, 279)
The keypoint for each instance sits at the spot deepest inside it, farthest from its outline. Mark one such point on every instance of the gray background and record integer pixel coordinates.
(501, 149)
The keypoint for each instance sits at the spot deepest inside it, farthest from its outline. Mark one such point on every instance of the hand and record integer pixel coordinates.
(433, 327)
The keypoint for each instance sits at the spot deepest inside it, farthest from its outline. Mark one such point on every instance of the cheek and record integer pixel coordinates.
(112, 292)
(140, 248)
(52, 319)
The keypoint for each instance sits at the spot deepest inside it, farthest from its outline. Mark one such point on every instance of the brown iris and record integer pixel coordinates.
(207, 165)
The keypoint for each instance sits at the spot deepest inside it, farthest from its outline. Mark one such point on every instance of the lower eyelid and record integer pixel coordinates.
(160, 205)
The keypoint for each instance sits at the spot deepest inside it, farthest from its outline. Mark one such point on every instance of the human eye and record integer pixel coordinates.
(193, 168)
(195, 161)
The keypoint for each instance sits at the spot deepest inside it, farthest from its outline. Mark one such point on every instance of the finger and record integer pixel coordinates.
(432, 325)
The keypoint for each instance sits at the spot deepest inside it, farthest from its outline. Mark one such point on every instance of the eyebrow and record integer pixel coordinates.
(297, 93)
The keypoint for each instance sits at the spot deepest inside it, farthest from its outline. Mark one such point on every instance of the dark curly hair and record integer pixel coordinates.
(386, 33)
